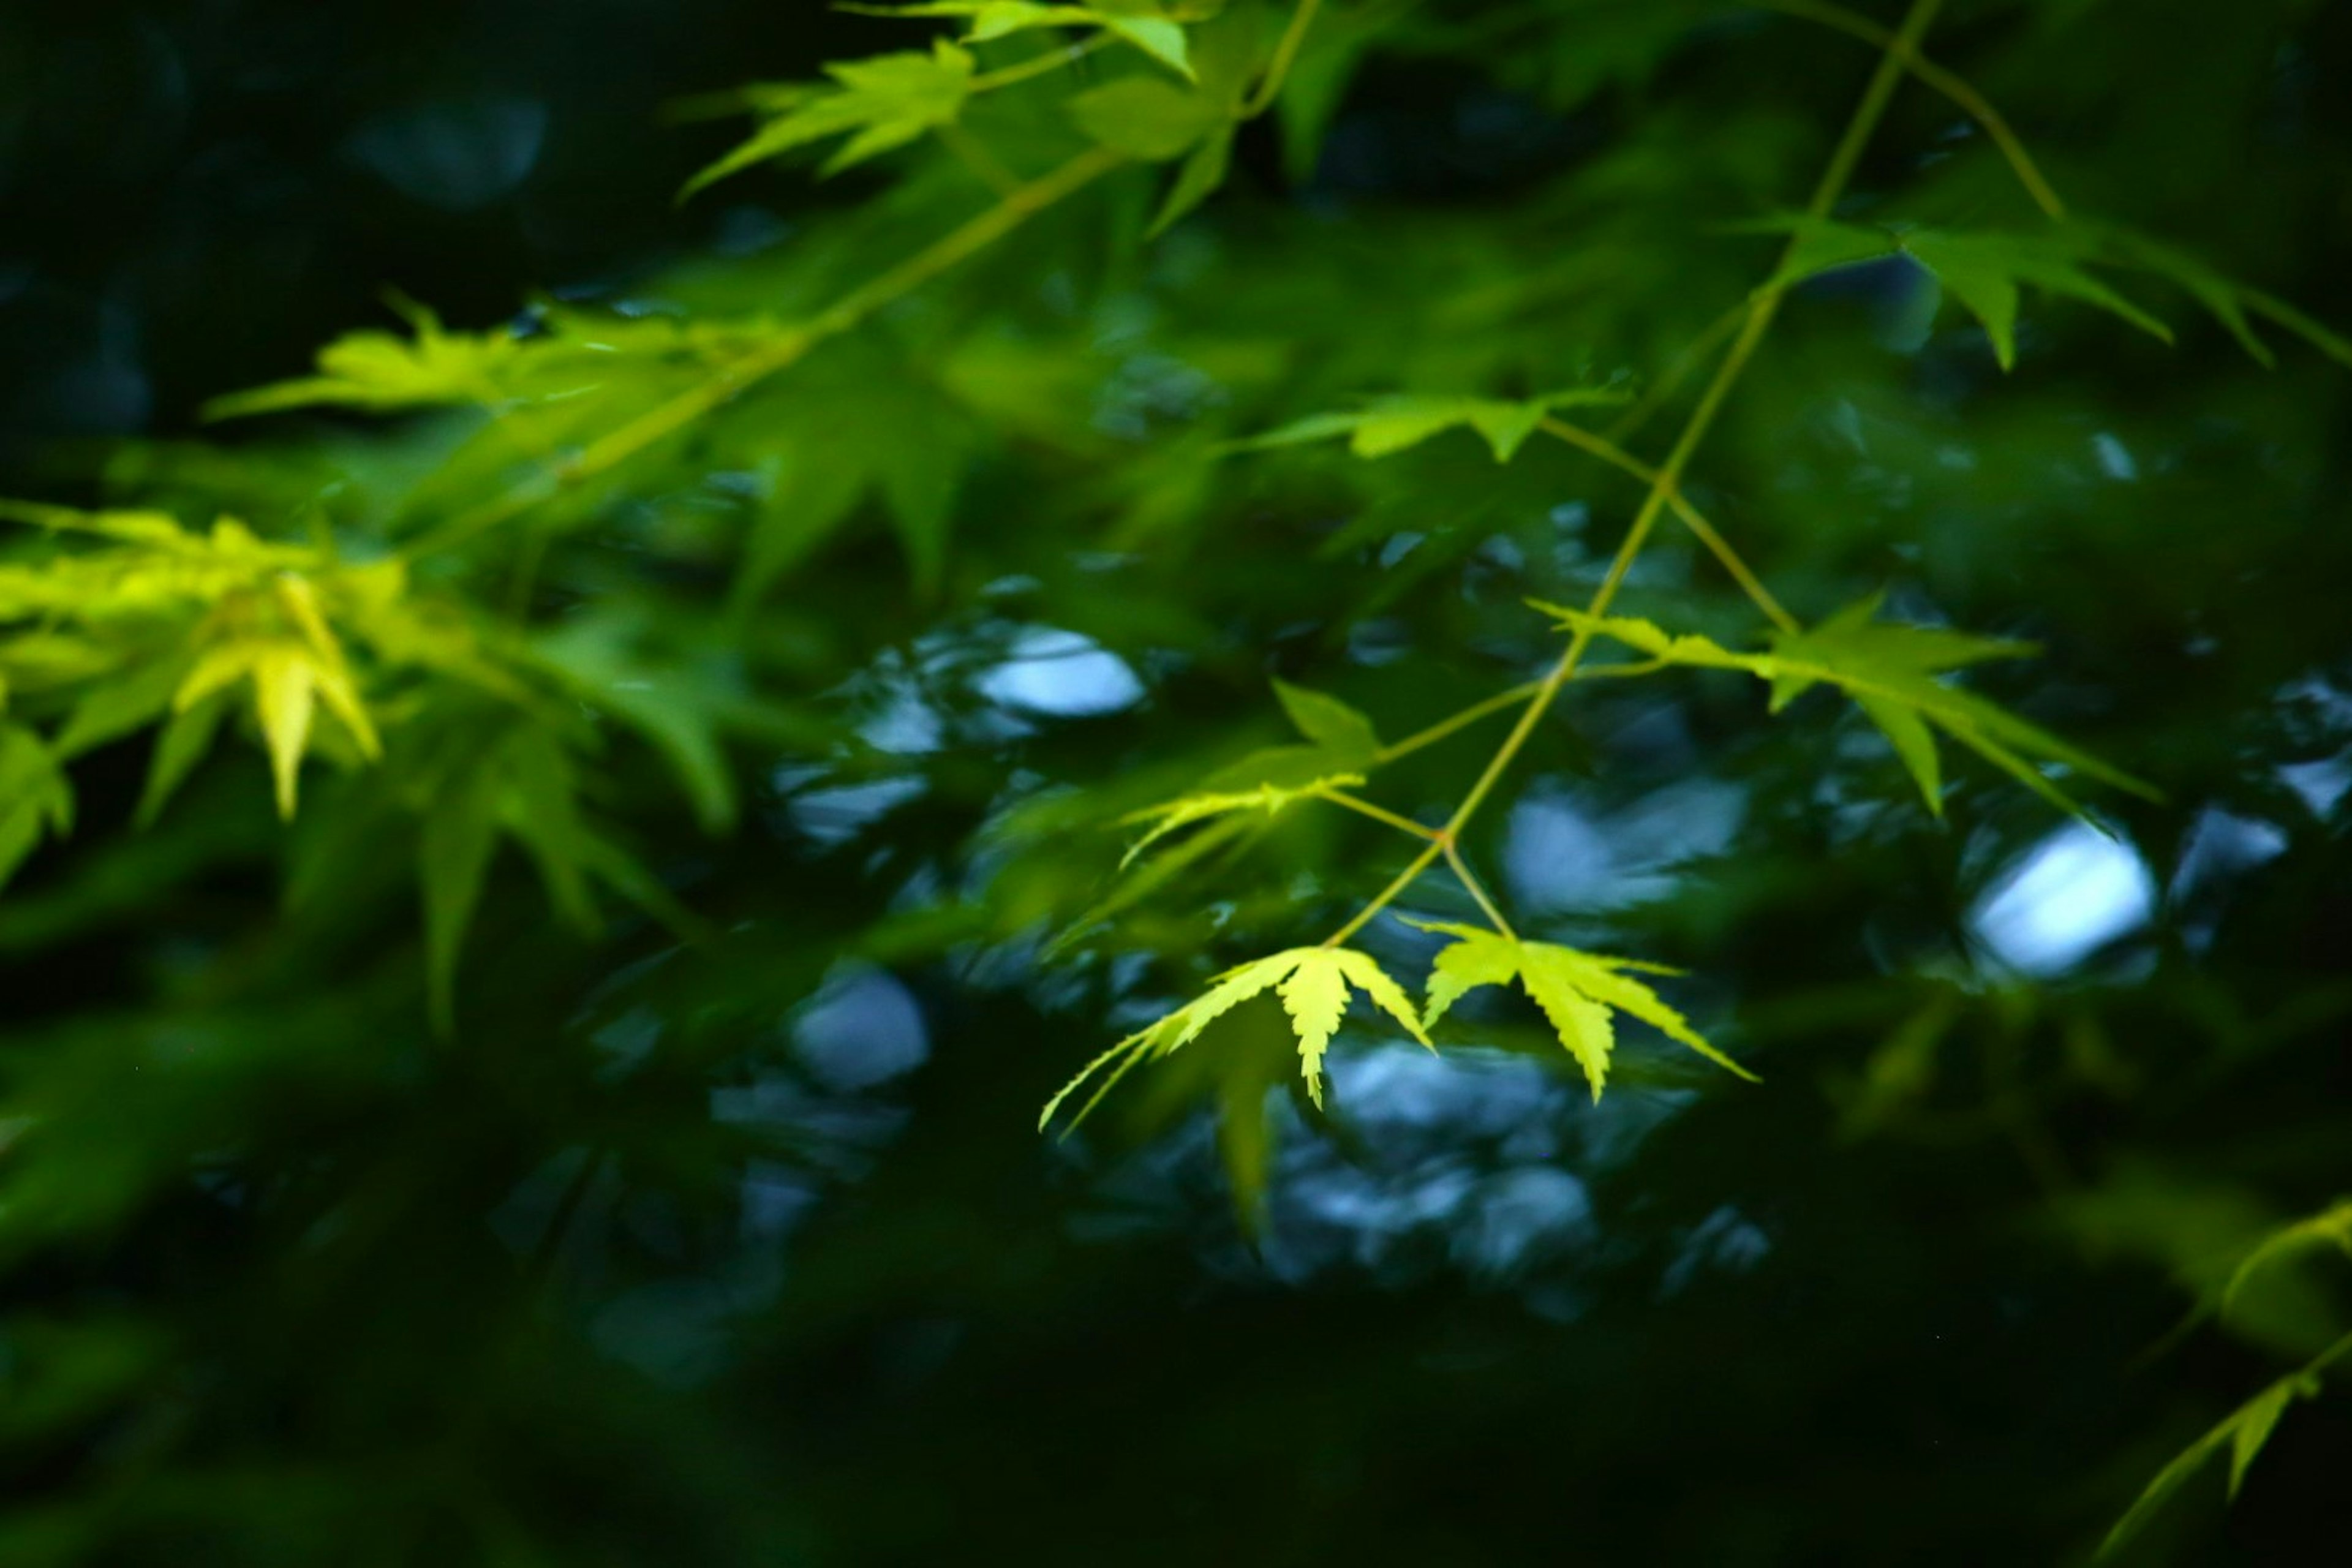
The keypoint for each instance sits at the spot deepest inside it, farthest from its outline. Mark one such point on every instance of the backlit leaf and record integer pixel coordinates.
(881, 104)
(1313, 983)
(1141, 23)
(1392, 425)
(1894, 673)
(1576, 992)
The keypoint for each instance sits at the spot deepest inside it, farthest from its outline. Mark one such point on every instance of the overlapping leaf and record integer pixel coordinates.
(1577, 992)
(1341, 745)
(881, 104)
(1892, 673)
(1387, 425)
(1312, 984)
(497, 776)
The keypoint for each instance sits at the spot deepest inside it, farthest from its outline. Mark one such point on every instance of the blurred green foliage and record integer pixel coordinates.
(807, 597)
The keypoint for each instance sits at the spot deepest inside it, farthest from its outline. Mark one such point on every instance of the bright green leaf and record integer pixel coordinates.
(881, 104)
(1391, 424)
(1312, 982)
(1576, 992)
(1146, 117)
(1144, 25)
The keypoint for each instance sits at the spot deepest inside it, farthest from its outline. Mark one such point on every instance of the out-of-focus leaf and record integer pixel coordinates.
(881, 104)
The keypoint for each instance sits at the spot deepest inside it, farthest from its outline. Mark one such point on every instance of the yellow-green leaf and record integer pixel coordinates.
(1312, 984)
(1576, 992)
(881, 104)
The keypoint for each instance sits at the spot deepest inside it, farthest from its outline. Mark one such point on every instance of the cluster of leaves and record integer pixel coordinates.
(396, 621)
(1890, 671)
(131, 621)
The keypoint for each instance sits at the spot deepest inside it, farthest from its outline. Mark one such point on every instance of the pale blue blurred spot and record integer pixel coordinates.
(2063, 899)
(1061, 674)
(2115, 460)
(2321, 784)
(457, 156)
(861, 1029)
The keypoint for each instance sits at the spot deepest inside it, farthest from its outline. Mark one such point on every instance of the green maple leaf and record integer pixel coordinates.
(1147, 26)
(1170, 816)
(881, 104)
(2230, 302)
(1578, 992)
(1985, 272)
(1312, 984)
(504, 775)
(381, 372)
(1341, 745)
(1892, 673)
(294, 664)
(1390, 425)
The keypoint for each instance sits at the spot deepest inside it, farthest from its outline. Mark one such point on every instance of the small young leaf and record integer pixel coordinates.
(1185, 810)
(881, 104)
(1391, 424)
(1139, 22)
(380, 373)
(1330, 723)
(1313, 983)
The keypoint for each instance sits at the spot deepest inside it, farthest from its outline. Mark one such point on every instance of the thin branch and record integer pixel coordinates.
(1964, 97)
(1663, 390)
(1377, 813)
(1462, 870)
(1608, 451)
(1444, 728)
(1050, 61)
(1761, 310)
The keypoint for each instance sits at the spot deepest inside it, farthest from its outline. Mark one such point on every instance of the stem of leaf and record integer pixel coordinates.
(1044, 64)
(1377, 813)
(782, 351)
(1664, 389)
(1462, 870)
(1609, 452)
(1286, 54)
(1964, 97)
(1444, 728)
(1668, 477)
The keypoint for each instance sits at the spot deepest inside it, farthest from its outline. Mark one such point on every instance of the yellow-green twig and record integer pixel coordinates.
(1609, 452)
(1377, 813)
(1760, 313)
(1963, 96)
